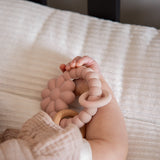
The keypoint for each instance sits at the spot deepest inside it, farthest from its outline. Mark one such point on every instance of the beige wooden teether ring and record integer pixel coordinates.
(64, 114)
(60, 93)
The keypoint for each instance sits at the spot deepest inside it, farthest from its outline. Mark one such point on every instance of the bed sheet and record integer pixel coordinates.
(35, 40)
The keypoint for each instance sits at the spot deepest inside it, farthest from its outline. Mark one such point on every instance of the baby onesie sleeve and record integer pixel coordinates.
(86, 152)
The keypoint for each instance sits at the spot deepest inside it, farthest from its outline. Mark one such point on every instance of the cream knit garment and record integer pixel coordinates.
(41, 139)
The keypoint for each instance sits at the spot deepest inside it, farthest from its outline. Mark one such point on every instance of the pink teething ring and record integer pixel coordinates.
(60, 93)
(100, 102)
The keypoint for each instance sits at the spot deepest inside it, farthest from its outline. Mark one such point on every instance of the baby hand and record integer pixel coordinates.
(80, 61)
(81, 85)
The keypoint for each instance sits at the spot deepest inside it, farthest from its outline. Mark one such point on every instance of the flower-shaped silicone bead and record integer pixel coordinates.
(57, 95)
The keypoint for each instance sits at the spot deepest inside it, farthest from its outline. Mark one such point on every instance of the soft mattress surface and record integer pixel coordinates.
(35, 40)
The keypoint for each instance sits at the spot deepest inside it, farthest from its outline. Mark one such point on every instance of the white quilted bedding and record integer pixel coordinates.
(35, 39)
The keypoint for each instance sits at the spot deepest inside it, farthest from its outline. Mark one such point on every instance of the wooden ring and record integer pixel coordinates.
(64, 114)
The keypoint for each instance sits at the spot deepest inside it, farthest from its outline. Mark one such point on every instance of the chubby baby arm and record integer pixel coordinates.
(106, 132)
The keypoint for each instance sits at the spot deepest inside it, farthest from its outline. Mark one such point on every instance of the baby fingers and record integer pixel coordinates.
(73, 63)
(62, 67)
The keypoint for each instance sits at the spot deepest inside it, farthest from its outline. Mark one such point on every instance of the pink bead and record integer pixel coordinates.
(95, 91)
(84, 117)
(51, 84)
(91, 111)
(45, 93)
(59, 81)
(85, 71)
(67, 96)
(77, 121)
(63, 123)
(51, 107)
(79, 71)
(94, 82)
(45, 103)
(73, 74)
(68, 85)
(55, 93)
(68, 121)
(60, 104)
(90, 75)
(66, 75)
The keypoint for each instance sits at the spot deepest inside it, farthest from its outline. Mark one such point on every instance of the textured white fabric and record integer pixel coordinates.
(35, 40)
(85, 151)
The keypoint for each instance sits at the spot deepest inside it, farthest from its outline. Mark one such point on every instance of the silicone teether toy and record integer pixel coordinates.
(59, 94)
